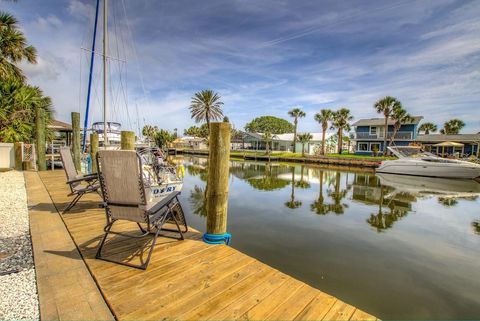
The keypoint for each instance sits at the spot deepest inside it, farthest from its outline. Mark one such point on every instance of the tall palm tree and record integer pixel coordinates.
(296, 113)
(341, 119)
(323, 117)
(304, 139)
(400, 116)
(13, 47)
(385, 106)
(206, 106)
(452, 127)
(427, 128)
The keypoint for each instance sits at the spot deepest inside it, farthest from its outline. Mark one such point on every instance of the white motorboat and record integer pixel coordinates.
(413, 161)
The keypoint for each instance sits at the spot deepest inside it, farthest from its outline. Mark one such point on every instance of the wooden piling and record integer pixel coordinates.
(127, 139)
(18, 156)
(94, 150)
(76, 139)
(40, 138)
(217, 183)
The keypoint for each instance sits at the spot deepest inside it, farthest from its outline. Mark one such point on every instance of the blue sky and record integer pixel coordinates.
(262, 57)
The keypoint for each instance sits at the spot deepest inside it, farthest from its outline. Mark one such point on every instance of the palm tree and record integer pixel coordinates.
(304, 139)
(296, 113)
(400, 116)
(427, 128)
(13, 48)
(267, 137)
(341, 119)
(206, 106)
(18, 102)
(149, 132)
(323, 117)
(452, 127)
(385, 106)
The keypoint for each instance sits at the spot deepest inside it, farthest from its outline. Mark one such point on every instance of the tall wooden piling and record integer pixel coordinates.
(127, 139)
(218, 169)
(40, 138)
(18, 156)
(94, 150)
(76, 139)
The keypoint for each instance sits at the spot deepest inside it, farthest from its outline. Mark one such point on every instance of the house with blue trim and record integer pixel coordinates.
(369, 134)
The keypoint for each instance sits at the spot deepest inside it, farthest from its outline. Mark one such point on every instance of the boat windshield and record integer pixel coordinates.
(409, 151)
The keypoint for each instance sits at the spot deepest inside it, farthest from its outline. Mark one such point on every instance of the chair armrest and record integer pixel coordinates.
(83, 179)
(164, 202)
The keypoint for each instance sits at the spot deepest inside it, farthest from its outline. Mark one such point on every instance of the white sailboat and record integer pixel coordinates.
(160, 178)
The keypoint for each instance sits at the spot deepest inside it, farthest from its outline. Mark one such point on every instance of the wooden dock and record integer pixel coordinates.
(186, 280)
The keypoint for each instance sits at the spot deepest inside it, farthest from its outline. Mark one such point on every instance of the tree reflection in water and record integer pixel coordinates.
(392, 200)
(292, 203)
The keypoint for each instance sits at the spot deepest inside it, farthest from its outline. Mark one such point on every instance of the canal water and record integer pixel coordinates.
(397, 247)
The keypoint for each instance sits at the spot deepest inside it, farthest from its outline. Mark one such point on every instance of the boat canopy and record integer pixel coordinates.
(409, 151)
(449, 144)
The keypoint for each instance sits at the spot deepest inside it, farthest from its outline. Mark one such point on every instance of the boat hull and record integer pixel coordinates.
(461, 170)
(156, 193)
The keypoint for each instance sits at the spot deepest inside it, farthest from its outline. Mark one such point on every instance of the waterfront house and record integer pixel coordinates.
(281, 143)
(369, 134)
(190, 142)
(463, 144)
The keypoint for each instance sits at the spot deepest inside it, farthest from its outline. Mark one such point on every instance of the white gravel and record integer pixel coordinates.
(18, 288)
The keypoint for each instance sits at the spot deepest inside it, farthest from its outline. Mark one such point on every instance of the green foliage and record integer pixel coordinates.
(163, 138)
(13, 48)
(386, 106)
(226, 119)
(341, 119)
(149, 132)
(17, 110)
(400, 116)
(452, 127)
(427, 128)
(206, 106)
(271, 124)
(196, 131)
(304, 139)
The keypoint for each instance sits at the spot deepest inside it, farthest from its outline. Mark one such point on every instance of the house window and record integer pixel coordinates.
(373, 130)
(375, 147)
(363, 147)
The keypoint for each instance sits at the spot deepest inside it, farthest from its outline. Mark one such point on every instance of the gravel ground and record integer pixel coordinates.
(18, 288)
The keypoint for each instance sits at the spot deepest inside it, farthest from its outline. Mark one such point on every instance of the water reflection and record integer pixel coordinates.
(391, 195)
(367, 239)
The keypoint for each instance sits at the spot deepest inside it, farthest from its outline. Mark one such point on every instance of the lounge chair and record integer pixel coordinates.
(76, 180)
(123, 189)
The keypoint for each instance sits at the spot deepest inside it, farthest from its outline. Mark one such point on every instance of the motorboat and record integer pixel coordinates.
(412, 160)
(160, 177)
(112, 133)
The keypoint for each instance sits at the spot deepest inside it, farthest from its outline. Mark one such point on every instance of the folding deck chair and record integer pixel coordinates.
(123, 189)
(75, 180)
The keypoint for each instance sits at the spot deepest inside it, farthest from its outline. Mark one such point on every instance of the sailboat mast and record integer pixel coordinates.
(105, 42)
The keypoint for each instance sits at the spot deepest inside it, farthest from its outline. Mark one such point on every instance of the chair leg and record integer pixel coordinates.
(104, 238)
(154, 241)
(73, 202)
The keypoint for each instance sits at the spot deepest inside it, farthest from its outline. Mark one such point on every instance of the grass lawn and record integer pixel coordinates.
(360, 156)
(299, 155)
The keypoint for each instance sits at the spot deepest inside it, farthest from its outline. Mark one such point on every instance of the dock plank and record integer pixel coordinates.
(188, 280)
